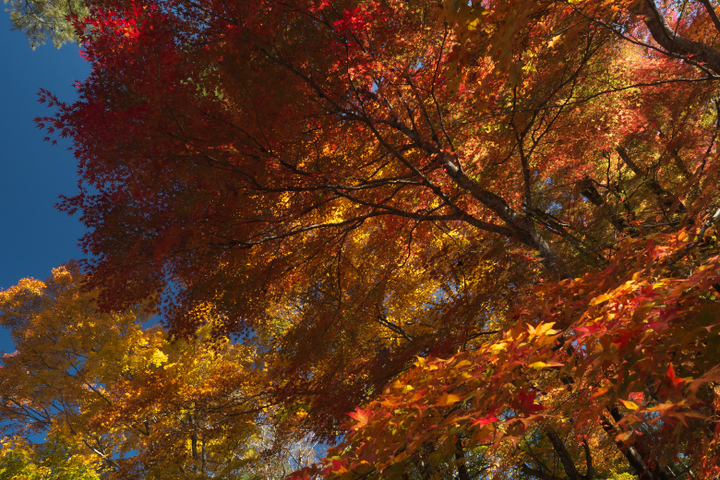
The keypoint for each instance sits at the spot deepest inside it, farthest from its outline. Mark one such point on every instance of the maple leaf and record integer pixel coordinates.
(525, 402)
(361, 416)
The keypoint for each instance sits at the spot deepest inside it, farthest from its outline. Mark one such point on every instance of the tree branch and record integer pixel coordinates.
(666, 200)
(667, 38)
(590, 474)
(562, 452)
(521, 226)
(711, 12)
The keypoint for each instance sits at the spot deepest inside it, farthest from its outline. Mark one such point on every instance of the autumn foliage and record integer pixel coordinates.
(486, 231)
(121, 399)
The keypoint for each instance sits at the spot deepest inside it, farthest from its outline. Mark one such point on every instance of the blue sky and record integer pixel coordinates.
(35, 237)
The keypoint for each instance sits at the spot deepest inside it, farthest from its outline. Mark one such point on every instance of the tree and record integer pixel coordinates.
(118, 398)
(43, 20)
(457, 216)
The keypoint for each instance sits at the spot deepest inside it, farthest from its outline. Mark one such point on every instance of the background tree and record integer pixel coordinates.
(115, 397)
(43, 20)
(54, 459)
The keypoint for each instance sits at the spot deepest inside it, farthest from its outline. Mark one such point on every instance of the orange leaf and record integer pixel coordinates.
(448, 399)
(362, 417)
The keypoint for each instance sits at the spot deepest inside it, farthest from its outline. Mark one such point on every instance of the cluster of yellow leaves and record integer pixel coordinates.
(56, 459)
(128, 399)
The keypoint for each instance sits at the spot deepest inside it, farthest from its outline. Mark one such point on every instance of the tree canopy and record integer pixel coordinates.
(489, 230)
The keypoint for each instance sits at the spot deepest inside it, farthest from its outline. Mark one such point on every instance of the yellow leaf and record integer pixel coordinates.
(629, 404)
(538, 365)
(661, 407)
(545, 329)
(600, 299)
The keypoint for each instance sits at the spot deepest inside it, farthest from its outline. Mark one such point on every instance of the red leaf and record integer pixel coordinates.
(481, 422)
(525, 402)
(670, 374)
